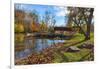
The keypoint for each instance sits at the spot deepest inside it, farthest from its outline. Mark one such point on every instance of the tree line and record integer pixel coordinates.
(79, 17)
(33, 22)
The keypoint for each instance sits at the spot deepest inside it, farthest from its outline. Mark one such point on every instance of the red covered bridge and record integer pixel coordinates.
(63, 29)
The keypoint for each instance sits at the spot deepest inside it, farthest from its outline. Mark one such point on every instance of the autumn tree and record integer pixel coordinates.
(34, 26)
(43, 26)
(19, 20)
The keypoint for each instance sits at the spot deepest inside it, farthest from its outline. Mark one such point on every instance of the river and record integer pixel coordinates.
(27, 46)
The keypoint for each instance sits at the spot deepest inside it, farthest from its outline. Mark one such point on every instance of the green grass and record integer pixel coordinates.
(77, 40)
(76, 56)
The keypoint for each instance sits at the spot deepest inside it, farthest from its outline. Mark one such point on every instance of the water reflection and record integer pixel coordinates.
(32, 45)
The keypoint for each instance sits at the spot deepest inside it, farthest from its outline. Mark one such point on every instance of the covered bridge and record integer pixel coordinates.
(62, 29)
(65, 30)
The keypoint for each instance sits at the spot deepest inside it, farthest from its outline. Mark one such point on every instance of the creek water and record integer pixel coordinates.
(32, 45)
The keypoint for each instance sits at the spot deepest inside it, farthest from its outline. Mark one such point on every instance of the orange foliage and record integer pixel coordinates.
(34, 27)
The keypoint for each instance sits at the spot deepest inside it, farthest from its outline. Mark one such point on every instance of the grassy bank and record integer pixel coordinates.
(77, 41)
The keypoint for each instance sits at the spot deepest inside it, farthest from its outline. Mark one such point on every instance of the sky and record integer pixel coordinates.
(58, 11)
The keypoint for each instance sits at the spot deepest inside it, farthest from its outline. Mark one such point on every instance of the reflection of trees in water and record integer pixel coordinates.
(27, 47)
(28, 42)
(40, 44)
(53, 42)
(19, 38)
(33, 45)
(43, 43)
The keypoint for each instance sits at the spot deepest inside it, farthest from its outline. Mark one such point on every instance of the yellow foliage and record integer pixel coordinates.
(34, 27)
(19, 27)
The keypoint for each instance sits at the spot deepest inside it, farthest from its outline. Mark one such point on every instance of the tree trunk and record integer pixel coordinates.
(89, 24)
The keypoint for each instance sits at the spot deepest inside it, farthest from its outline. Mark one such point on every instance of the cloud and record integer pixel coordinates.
(61, 11)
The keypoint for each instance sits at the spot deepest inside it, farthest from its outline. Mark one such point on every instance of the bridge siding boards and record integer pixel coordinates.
(62, 29)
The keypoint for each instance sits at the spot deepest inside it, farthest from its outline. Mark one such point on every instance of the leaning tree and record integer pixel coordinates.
(80, 16)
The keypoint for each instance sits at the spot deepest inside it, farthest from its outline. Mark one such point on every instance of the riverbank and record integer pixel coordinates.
(58, 53)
